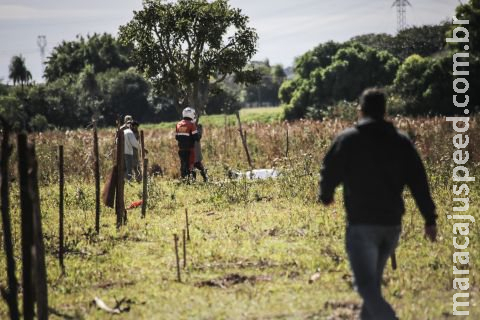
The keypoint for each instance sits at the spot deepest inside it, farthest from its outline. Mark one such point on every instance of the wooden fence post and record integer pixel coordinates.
(187, 224)
(96, 165)
(244, 140)
(61, 209)
(39, 269)
(26, 226)
(225, 154)
(288, 142)
(184, 249)
(142, 145)
(10, 294)
(119, 198)
(145, 188)
(144, 175)
(175, 239)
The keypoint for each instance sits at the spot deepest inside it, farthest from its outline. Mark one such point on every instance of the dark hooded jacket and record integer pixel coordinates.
(374, 162)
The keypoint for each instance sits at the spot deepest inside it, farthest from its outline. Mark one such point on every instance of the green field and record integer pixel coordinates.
(254, 244)
(247, 115)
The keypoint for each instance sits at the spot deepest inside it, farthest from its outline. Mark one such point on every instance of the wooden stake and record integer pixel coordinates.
(244, 140)
(61, 209)
(286, 149)
(225, 137)
(184, 249)
(11, 293)
(26, 227)
(39, 269)
(119, 198)
(175, 239)
(142, 145)
(145, 186)
(96, 165)
(187, 225)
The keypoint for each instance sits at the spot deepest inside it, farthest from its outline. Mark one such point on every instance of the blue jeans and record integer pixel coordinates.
(128, 166)
(368, 248)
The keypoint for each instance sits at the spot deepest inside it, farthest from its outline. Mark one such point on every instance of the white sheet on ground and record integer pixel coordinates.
(262, 174)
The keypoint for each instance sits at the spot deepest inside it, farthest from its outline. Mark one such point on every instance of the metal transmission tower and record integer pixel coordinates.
(401, 13)
(42, 44)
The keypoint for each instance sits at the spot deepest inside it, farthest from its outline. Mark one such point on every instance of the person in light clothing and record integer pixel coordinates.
(130, 142)
(198, 164)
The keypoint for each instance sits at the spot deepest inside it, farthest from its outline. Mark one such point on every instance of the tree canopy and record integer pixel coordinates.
(18, 71)
(100, 51)
(186, 46)
(408, 41)
(343, 75)
(469, 11)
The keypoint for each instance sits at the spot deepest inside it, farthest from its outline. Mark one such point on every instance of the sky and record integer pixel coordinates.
(286, 28)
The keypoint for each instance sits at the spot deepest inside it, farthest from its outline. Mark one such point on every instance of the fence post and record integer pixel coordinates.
(187, 224)
(244, 140)
(145, 186)
(288, 142)
(142, 144)
(119, 198)
(61, 208)
(97, 177)
(10, 293)
(175, 239)
(184, 243)
(26, 226)
(39, 270)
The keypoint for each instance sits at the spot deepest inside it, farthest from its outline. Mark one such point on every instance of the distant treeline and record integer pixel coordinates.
(95, 77)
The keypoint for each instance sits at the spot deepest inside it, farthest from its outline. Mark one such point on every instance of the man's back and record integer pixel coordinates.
(130, 141)
(374, 162)
(186, 134)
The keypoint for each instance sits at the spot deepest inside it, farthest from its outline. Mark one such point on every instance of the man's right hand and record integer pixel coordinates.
(431, 233)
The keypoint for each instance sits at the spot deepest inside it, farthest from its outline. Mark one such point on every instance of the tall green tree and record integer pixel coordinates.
(469, 11)
(186, 46)
(424, 40)
(352, 69)
(319, 57)
(124, 92)
(18, 71)
(100, 51)
(424, 86)
(265, 90)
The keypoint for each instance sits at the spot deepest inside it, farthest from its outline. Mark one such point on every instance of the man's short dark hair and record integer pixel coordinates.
(373, 103)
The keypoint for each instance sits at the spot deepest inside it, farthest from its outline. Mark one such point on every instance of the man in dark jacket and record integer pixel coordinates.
(374, 162)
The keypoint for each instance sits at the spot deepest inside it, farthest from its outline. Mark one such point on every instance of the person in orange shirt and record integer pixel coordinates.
(186, 134)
